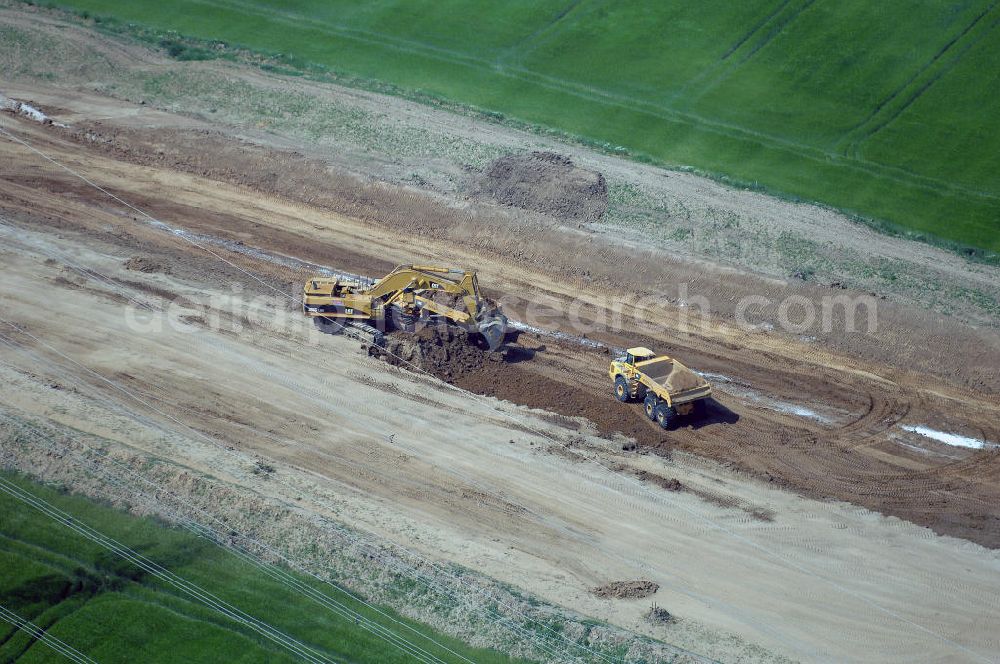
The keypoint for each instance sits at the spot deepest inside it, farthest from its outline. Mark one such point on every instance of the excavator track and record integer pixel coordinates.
(401, 298)
(368, 335)
(365, 333)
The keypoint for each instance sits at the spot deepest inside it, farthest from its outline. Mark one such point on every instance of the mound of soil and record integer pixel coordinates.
(626, 589)
(445, 351)
(659, 616)
(668, 483)
(518, 383)
(681, 378)
(545, 182)
(453, 355)
(143, 264)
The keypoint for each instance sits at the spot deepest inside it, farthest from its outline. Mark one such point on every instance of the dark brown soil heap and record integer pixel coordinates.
(519, 384)
(545, 182)
(445, 351)
(453, 355)
(668, 483)
(143, 264)
(626, 589)
(659, 616)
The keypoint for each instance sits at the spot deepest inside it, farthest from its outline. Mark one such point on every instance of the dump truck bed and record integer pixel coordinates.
(671, 380)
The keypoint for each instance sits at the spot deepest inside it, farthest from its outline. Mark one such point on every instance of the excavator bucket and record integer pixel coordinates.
(407, 294)
(494, 330)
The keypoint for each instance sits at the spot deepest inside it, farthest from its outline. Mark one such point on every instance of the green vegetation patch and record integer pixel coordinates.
(110, 609)
(885, 110)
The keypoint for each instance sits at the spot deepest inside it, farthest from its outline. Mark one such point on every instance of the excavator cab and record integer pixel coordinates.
(409, 293)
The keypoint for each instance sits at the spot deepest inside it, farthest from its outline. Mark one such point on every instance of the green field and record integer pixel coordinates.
(890, 110)
(109, 609)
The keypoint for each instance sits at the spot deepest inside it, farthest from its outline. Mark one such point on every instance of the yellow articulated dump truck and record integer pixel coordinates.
(668, 389)
(408, 296)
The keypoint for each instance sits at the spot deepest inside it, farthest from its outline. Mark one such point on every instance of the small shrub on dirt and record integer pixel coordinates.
(657, 615)
(263, 468)
(181, 51)
(626, 589)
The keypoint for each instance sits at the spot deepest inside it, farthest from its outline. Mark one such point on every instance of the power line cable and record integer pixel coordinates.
(154, 569)
(708, 521)
(39, 634)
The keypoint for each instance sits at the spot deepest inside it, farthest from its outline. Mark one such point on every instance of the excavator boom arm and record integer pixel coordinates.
(422, 277)
(443, 310)
(412, 289)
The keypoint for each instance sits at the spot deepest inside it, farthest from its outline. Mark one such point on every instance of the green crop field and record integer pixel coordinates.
(889, 110)
(112, 611)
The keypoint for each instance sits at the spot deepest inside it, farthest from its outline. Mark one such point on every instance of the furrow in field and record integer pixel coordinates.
(890, 108)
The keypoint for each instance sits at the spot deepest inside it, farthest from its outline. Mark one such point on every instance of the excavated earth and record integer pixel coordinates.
(626, 589)
(853, 452)
(804, 511)
(520, 374)
(442, 350)
(545, 182)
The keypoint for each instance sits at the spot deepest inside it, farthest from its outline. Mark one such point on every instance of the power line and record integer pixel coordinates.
(243, 553)
(39, 634)
(189, 588)
(641, 487)
(517, 629)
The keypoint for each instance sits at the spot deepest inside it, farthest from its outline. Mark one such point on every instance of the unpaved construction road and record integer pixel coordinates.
(806, 513)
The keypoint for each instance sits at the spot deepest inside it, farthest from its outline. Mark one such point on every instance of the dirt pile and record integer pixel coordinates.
(681, 378)
(445, 351)
(144, 264)
(659, 616)
(626, 589)
(673, 374)
(517, 383)
(453, 355)
(668, 483)
(545, 182)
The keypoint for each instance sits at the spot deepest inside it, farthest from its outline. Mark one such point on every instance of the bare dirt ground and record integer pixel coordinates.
(803, 517)
(424, 149)
(545, 182)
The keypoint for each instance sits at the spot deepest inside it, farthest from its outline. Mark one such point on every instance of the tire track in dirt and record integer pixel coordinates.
(818, 459)
(871, 125)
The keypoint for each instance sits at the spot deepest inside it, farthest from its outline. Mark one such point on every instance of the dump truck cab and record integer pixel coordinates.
(638, 354)
(668, 389)
(625, 366)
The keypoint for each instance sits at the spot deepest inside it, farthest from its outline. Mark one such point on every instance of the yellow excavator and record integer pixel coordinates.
(408, 296)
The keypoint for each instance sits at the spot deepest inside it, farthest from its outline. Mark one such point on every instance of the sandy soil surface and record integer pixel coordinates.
(561, 509)
(809, 513)
(433, 151)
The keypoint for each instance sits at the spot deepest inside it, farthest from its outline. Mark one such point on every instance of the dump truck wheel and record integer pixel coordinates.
(622, 392)
(664, 415)
(649, 405)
